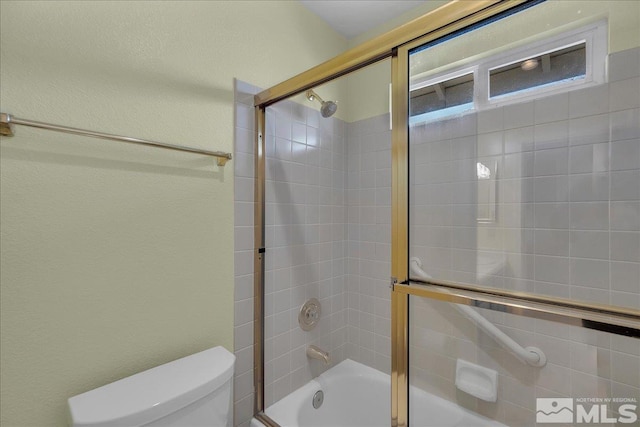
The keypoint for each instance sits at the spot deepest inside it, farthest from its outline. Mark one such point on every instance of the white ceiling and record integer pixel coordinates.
(353, 17)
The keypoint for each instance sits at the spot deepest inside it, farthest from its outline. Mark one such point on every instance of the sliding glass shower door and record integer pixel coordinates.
(506, 205)
(524, 182)
(324, 289)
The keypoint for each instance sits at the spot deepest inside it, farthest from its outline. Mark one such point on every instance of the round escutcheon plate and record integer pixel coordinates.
(309, 314)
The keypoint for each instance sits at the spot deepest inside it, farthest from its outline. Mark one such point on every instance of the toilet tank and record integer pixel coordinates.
(192, 391)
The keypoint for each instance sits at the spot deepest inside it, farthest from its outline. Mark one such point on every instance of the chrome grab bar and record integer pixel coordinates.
(530, 355)
(7, 121)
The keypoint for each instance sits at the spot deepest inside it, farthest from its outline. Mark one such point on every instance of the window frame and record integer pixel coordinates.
(443, 77)
(594, 35)
(596, 48)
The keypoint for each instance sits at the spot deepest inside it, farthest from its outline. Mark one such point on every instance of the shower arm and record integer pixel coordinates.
(311, 95)
(530, 355)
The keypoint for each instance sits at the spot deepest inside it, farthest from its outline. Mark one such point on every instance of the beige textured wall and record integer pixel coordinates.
(369, 88)
(116, 258)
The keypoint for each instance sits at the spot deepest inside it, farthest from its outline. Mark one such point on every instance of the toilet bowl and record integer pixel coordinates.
(192, 391)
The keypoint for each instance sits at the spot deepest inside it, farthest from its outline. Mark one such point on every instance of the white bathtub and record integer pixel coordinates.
(356, 395)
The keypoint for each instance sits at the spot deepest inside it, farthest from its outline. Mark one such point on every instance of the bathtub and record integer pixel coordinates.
(357, 395)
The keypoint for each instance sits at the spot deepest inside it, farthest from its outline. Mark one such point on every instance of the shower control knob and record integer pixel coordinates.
(309, 314)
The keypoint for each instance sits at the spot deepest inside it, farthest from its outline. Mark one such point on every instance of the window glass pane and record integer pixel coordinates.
(562, 65)
(444, 95)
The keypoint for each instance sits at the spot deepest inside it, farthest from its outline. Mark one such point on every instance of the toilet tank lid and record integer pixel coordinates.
(152, 394)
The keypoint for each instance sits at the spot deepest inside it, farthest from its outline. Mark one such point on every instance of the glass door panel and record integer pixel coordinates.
(460, 375)
(525, 177)
(524, 157)
(327, 241)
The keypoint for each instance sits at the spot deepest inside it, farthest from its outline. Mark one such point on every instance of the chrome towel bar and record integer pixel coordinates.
(7, 121)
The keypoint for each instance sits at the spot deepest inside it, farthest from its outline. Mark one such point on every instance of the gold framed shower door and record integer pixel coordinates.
(397, 43)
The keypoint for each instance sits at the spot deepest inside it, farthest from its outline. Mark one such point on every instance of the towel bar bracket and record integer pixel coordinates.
(6, 126)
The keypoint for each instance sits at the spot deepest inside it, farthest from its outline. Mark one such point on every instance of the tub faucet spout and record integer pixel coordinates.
(314, 352)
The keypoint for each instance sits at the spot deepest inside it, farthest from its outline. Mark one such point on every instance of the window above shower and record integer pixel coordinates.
(557, 63)
(450, 94)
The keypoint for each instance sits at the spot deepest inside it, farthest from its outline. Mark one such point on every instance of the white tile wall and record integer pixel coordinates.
(568, 168)
(368, 200)
(306, 248)
(567, 225)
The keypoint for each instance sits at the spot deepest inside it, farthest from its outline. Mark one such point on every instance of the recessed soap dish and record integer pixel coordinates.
(477, 380)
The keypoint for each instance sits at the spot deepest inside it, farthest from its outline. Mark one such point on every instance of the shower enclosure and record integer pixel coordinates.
(481, 242)
(327, 220)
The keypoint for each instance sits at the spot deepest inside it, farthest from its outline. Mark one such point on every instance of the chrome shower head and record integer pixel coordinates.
(327, 108)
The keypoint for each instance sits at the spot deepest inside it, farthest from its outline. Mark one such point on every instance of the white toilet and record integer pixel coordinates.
(192, 391)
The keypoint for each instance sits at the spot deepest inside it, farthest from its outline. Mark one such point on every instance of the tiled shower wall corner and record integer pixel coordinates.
(563, 221)
(369, 242)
